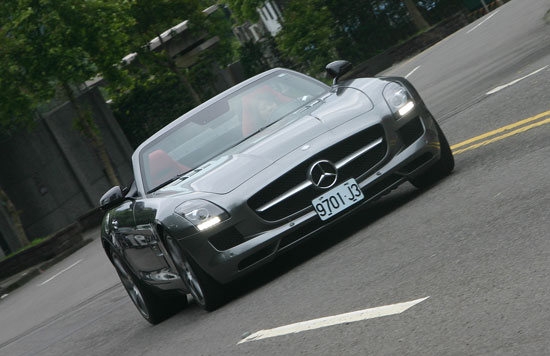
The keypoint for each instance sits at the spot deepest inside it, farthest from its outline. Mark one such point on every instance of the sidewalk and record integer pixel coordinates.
(9, 284)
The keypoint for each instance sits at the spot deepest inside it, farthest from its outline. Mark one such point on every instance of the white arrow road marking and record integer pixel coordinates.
(62, 271)
(333, 320)
(515, 81)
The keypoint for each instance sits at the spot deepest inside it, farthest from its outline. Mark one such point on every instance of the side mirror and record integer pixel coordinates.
(337, 69)
(112, 197)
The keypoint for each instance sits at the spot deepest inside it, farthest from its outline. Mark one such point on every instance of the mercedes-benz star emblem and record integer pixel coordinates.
(323, 174)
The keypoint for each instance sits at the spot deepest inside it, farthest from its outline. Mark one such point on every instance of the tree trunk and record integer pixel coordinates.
(87, 126)
(14, 217)
(196, 98)
(183, 79)
(416, 16)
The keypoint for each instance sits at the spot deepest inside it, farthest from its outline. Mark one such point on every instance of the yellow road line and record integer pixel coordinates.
(498, 138)
(501, 130)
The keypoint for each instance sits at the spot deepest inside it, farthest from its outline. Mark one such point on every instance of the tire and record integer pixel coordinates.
(151, 306)
(208, 293)
(442, 168)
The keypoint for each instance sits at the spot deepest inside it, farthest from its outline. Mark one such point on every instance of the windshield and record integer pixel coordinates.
(224, 124)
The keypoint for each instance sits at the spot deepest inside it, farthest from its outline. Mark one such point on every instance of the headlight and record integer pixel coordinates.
(398, 98)
(201, 213)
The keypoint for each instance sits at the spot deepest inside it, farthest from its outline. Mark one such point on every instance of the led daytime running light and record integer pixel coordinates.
(209, 223)
(406, 108)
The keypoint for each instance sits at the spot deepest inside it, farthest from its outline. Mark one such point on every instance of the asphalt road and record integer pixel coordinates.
(471, 254)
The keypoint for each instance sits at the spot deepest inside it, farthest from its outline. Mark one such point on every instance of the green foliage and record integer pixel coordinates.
(33, 243)
(219, 24)
(153, 17)
(154, 96)
(48, 43)
(150, 105)
(365, 28)
(157, 88)
(45, 44)
(308, 34)
(318, 31)
(244, 10)
(203, 77)
(252, 58)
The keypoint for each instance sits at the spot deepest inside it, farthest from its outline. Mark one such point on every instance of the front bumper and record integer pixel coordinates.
(405, 160)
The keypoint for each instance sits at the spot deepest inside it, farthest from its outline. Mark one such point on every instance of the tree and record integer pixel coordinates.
(317, 31)
(152, 18)
(252, 58)
(361, 29)
(308, 35)
(158, 88)
(6, 202)
(19, 95)
(244, 10)
(152, 103)
(54, 47)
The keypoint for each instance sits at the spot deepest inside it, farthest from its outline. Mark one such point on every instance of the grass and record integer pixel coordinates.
(33, 243)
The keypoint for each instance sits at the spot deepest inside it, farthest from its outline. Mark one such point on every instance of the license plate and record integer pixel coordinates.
(337, 199)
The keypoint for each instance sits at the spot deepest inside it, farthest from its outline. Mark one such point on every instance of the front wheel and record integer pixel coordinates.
(442, 168)
(208, 293)
(151, 306)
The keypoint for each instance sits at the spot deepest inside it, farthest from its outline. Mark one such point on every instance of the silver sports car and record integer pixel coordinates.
(254, 171)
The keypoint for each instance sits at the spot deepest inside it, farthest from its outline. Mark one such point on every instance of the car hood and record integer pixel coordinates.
(234, 167)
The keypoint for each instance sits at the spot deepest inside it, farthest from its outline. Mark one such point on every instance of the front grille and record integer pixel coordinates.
(266, 202)
(308, 228)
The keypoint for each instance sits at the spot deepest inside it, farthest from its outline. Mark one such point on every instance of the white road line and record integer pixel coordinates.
(60, 272)
(333, 320)
(411, 72)
(499, 88)
(482, 22)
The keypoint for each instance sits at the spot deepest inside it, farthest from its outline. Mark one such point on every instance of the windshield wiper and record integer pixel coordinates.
(265, 127)
(181, 176)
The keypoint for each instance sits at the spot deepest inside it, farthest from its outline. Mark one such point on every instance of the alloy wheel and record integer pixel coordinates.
(133, 290)
(192, 282)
